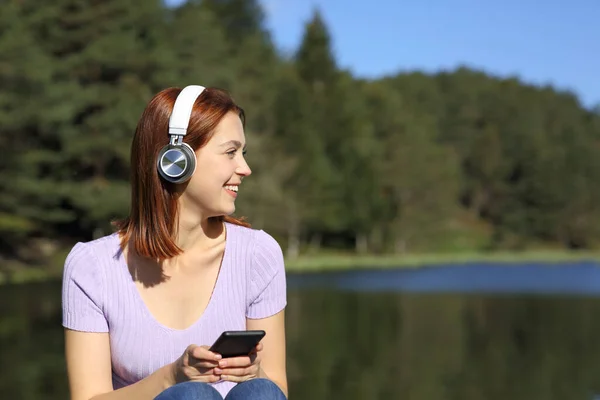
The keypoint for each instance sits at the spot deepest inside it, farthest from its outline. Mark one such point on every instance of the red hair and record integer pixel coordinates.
(151, 226)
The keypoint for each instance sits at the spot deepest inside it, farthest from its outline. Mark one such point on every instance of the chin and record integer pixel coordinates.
(228, 210)
(221, 212)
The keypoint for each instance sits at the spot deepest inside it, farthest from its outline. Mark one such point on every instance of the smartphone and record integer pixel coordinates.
(237, 343)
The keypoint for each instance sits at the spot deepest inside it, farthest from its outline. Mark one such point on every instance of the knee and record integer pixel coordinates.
(190, 391)
(259, 388)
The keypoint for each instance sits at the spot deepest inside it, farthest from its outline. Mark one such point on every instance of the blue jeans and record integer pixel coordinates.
(254, 389)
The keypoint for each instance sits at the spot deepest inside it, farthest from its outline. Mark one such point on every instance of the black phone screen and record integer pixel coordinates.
(237, 343)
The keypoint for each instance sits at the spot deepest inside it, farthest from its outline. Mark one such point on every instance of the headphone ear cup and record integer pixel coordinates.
(191, 154)
(176, 163)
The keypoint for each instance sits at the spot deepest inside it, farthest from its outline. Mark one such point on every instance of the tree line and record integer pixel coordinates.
(451, 161)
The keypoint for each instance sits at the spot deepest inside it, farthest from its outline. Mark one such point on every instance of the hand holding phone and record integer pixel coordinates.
(241, 355)
(202, 361)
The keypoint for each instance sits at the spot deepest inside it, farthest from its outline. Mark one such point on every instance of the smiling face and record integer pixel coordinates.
(220, 168)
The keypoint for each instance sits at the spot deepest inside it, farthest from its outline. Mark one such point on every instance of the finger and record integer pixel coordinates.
(204, 364)
(238, 379)
(248, 371)
(257, 348)
(203, 353)
(243, 361)
(206, 378)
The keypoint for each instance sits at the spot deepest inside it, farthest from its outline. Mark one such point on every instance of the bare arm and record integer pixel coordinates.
(90, 373)
(273, 355)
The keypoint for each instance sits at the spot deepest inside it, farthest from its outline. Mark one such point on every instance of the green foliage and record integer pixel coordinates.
(315, 60)
(410, 162)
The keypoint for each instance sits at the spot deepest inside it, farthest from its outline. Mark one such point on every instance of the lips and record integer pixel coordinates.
(231, 190)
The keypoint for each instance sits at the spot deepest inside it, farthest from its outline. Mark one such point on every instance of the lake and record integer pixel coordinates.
(467, 332)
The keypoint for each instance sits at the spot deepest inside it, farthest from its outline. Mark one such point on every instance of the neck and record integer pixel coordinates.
(194, 231)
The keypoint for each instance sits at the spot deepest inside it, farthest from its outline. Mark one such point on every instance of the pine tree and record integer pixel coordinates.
(339, 118)
(315, 60)
(240, 19)
(253, 58)
(104, 59)
(23, 85)
(199, 52)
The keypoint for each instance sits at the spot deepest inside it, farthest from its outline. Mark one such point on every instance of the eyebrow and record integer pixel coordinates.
(235, 143)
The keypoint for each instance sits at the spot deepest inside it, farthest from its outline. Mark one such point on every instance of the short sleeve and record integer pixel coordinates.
(82, 291)
(267, 291)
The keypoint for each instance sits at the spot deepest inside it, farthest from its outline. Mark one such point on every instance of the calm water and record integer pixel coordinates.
(463, 332)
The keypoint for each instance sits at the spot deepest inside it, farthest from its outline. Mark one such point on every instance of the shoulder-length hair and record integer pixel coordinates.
(151, 226)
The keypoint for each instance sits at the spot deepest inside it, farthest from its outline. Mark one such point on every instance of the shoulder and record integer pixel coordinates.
(265, 245)
(261, 244)
(266, 278)
(267, 257)
(85, 257)
(84, 285)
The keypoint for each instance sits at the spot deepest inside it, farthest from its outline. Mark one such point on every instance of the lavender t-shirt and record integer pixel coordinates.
(99, 295)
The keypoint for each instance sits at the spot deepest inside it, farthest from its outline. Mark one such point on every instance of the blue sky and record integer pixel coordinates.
(547, 42)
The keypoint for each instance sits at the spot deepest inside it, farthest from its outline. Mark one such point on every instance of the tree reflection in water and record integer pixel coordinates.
(351, 346)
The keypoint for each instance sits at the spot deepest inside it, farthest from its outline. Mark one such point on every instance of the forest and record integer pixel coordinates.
(412, 162)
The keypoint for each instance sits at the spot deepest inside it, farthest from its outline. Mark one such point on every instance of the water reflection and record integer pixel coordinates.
(385, 345)
(580, 277)
(369, 345)
(31, 343)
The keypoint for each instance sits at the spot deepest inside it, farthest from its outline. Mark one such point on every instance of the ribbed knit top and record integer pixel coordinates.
(99, 295)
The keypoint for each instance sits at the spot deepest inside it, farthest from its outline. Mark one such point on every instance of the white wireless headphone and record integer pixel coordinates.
(177, 161)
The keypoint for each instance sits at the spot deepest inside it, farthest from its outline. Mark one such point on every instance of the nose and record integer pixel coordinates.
(243, 168)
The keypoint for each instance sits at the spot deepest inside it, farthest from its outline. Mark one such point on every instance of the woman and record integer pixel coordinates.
(142, 306)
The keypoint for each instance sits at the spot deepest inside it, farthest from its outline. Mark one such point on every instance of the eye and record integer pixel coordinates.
(244, 152)
(231, 153)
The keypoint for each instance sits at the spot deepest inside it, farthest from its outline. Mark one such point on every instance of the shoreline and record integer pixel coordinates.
(339, 262)
(345, 261)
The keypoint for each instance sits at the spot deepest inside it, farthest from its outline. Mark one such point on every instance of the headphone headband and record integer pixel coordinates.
(176, 161)
(182, 109)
